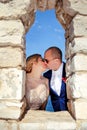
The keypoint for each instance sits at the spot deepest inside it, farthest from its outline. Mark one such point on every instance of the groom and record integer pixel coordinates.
(57, 77)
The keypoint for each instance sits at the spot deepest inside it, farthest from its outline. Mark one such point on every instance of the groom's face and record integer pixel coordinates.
(49, 60)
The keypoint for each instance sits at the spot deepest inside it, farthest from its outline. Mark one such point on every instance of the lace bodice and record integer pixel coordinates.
(37, 92)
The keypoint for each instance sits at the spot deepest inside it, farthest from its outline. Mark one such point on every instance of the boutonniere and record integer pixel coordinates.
(64, 79)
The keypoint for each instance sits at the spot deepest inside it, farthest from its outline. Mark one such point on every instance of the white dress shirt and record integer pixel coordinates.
(56, 80)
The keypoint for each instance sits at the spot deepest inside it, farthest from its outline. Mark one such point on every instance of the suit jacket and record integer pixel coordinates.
(59, 102)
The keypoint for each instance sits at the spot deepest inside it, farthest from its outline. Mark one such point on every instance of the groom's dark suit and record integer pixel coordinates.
(59, 102)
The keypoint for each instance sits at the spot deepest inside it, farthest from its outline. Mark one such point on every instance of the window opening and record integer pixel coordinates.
(45, 32)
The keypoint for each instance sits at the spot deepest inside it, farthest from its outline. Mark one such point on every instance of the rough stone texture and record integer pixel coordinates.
(61, 15)
(79, 109)
(77, 86)
(12, 109)
(5, 1)
(73, 7)
(41, 4)
(11, 33)
(51, 4)
(77, 64)
(13, 57)
(45, 4)
(15, 8)
(12, 83)
(18, 9)
(83, 125)
(78, 27)
(43, 120)
(3, 125)
(78, 45)
(8, 125)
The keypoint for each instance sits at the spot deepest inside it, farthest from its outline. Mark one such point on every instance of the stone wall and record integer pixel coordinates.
(16, 18)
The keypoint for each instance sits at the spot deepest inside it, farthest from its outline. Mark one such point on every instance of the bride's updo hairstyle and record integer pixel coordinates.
(30, 60)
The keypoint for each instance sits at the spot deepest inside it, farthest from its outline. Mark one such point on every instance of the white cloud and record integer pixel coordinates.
(57, 30)
(39, 26)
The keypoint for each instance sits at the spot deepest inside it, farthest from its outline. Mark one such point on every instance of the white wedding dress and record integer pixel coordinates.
(37, 92)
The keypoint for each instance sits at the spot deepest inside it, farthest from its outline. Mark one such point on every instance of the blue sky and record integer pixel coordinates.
(45, 32)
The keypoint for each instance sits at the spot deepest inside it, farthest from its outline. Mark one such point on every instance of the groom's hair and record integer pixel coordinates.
(55, 52)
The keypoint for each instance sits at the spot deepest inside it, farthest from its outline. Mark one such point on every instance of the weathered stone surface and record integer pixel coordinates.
(79, 108)
(45, 4)
(8, 125)
(67, 49)
(61, 15)
(15, 8)
(13, 125)
(68, 68)
(78, 45)
(4, 1)
(4, 125)
(41, 4)
(75, 6)
(51, 4)
(82, 125)
(18, 9)
(12, 57)
(78, 27)
(12, 84)
(42, 120)
(77, 86)
(11, 32)
(77, 64)
(12, 110)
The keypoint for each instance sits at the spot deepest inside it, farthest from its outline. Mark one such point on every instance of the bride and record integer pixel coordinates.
(37, 89)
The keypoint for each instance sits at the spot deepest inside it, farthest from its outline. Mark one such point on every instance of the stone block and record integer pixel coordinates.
(51, 4)
(4, 125)
(78, 27)
(72, 7)
(11, 33)
(12, 57)
(67, 48)
(12, 83)
(77, 86)
(12, 109)
(44, 4)
(18, 9)
(78, 45)
(15, 8)
(42, 120)
(83, 125)
(79, 109)
(77, 64)
(68, 68)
